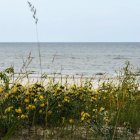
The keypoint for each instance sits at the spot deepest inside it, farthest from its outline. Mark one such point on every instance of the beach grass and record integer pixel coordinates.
(63, 110)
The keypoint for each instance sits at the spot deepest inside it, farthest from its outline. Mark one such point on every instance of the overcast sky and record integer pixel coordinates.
(71, 21)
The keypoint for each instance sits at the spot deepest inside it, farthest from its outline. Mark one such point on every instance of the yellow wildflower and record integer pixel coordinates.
(101, 109)
(96, 91)
(93, 98)
(1, 89)
(18, 110)
(24, 116)
(27, 108)
(40, 111)
(84, 115)
(71, 121)
(82, 118)
(9, 109)
(106, 119)
(94, 110)
(14, 89)
(41, 97)
(67, 99)
(73, 86)
(30, 107)
(42, 105)
(59, 105)
(26, 100)
(27, 93)
(6, 95)
(33, 107)
(58, 90)
(35, 100)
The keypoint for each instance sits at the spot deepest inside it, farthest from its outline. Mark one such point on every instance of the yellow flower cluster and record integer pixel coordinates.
(24, 116)
(84, 115)
(31, 107)
(19, 111)
(66, 99)
(93, 98)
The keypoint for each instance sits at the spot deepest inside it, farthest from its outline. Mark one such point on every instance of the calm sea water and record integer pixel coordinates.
(71, 58)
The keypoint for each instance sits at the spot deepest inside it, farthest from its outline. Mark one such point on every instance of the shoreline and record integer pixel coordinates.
(63, 79)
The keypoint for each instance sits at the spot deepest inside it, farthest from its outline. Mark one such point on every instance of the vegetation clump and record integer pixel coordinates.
(111, 111)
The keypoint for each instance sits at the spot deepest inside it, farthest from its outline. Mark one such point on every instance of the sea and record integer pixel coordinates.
(69, 58)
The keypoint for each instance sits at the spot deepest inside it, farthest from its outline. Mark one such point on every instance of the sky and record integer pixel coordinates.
(70, 21)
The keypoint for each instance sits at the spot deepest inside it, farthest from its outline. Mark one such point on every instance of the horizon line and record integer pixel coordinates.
(68, 42)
